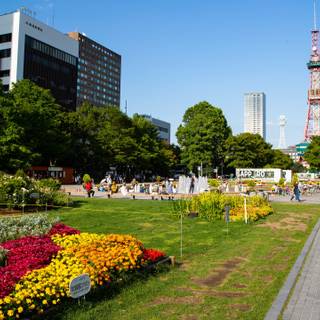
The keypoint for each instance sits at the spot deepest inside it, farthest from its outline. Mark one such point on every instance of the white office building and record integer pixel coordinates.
(255, 113)
(162, 126)
(30, 49)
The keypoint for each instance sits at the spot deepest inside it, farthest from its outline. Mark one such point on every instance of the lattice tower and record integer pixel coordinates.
(312, 127)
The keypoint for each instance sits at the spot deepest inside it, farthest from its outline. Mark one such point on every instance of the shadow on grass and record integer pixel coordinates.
(101, 293)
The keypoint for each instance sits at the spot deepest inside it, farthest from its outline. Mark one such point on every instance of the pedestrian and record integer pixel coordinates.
(296, 192)
(191, 189)
(89, 188)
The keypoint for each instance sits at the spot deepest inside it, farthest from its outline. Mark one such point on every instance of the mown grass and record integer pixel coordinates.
(220, 276)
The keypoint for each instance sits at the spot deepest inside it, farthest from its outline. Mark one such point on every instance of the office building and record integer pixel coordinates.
(255, 113)
(30, 49)
(99, 73)
(162, 126)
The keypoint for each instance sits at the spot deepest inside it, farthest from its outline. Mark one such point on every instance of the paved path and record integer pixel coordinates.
(304, 303)
(306, 199)
(303, 283)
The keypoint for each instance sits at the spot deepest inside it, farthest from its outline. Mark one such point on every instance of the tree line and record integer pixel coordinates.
(35, 130)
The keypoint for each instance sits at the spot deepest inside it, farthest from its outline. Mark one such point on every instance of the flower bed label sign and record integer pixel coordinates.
(79, 286)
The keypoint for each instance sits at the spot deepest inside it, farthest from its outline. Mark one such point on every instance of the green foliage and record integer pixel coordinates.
(247, 150)
(202, 136)
(34, 130)
(295, 179)
(211, 206)
(33, 123)
(17, 191)
(215, 183)
(280, 160)
(86, 178)
(3, 255)
(251, 183)
(312, 155)
(281, 182)
(29, 225)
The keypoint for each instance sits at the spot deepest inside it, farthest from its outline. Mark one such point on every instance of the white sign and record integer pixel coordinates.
(79, 286)
(260, 174)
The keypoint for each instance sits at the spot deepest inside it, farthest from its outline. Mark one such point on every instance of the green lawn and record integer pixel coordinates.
(221, 276)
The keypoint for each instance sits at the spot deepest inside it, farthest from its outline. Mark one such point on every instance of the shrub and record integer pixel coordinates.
(211, 206)
(19, 190)
(215, 183)
(86, 178)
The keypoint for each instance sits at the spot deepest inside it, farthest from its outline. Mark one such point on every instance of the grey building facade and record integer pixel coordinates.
(99, 73)
(162, 126)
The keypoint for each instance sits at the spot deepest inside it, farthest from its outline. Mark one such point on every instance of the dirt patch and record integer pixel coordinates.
(289, 223)
(220, 274)
(274, 252)
(292, 240)
(215, 293)
(267, 279)
(279, 267)
(241, 307)
(227, 294)
(194, 299)
(190, 317)
(240, 286)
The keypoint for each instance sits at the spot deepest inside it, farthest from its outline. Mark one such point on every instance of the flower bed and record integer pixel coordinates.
(39, 268)
(211, 206)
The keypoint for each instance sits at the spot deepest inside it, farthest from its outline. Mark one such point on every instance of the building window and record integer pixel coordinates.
(5, 38)
(4, 73)
(6, 53)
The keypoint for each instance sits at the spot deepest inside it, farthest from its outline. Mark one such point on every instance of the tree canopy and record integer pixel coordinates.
(202, 136)
(312, 155)
(34, 130)
(247, 150)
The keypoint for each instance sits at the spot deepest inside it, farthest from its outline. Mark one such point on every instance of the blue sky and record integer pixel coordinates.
(176, 53)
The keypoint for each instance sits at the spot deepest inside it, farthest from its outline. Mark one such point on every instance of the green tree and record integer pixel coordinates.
(14, 154)
(312, 155)
(280, 160)
(34, 113)
(247, 150)
(202, 136)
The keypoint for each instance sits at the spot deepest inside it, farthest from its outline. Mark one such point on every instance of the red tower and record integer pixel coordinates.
(312, 127)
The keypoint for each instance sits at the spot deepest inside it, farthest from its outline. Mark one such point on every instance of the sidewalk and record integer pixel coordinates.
(305, 300)
(303, 283)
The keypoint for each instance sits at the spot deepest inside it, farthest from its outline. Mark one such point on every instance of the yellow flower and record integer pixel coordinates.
(10, 313)
(44, 301)
(20, 309)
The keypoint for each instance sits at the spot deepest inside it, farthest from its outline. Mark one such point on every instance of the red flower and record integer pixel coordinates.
(25, 254)
(152, 255)
(60, 228)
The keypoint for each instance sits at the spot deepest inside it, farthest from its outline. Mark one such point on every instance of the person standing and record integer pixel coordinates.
(89, 188)
(296, 192)
(191, 189)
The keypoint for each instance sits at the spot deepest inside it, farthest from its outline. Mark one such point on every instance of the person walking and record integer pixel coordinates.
(296, 192)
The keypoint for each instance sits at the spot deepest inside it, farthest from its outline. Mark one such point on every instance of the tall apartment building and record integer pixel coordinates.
(162, 126)
(30, 49)
(255, 113)
(99, 73)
